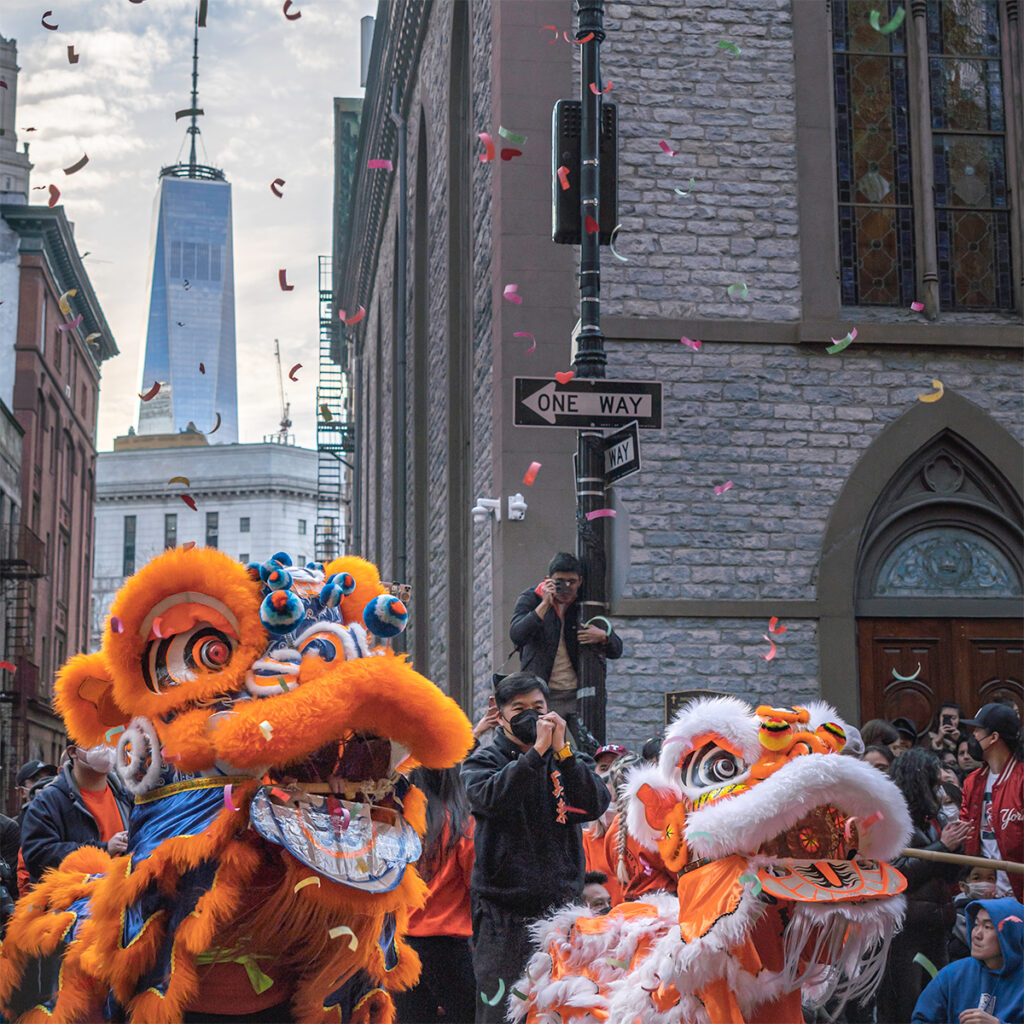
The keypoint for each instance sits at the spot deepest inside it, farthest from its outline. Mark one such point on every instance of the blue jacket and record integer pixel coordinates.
(57, 822)
(961, 985)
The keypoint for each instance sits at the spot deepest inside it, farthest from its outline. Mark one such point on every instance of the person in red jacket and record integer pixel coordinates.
(993, 796)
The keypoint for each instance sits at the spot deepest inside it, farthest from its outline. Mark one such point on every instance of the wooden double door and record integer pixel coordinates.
(908, 667)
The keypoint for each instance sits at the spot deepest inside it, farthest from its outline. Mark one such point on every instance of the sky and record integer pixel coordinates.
(266, 84)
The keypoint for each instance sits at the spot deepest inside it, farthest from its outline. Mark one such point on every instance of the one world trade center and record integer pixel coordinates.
(190, 341)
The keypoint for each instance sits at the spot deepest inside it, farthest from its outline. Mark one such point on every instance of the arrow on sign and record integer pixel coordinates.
(548, 402)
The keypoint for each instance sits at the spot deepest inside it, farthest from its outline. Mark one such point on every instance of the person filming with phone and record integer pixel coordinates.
(548, 633)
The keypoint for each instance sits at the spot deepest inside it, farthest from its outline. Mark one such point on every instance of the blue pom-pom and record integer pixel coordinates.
(281, 611)
(278, 578)
(331, 595)
(282, 557)
(253, 569)
(385, 616)
(345, 580)
(315, 566)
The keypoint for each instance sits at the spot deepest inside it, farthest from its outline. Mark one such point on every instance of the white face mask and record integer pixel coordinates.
(100, 758)
(981, 890)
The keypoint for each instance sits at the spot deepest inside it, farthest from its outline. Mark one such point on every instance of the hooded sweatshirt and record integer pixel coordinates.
(961, 985)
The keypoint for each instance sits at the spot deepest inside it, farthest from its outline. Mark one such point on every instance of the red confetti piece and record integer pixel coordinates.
(917, 306)
(601, 513)
(511, 293)
(3, 85)
(189, 500)
(348, 321)
(216, 426)
(550, 28)
(380, 165)
(286, 8)
(531, 474)
(871, 819)
(116, 625)
(202, 368)
(282, 280)
(771, 653)
(9, 665)
(774, 627)
(668, 149)
(485, 138)
(600, 92)
(291, 372)
(579, 42)
(151, 393)
(527, 334)
(565, 377)
(72, 56)
(691, 343)
(1012, 917)
(280, 794)
(42, 21)
(508, 154)
(722, 488)
(563, 177)
(158, 628)
(71, 323)
(188, 545)
(77, 165)
(274, 187)
(54, 195)
(591, 225)
(575, 810)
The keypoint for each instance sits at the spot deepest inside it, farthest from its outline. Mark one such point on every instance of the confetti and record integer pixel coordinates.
(496, 998)
(611, 245)
(600, 92)
(565, 377)
(700, 835)
(334, 807)
(267, 729)
(550, 28)
(151, 393)
(507, 133)
(42, 21)
(511, 293)
(343, 929)
(91, 339)
(754, 881)
(518, 994)
(292, 371)
(774, 627)
(563, 177)
(3, 85)
(216, 426)
(508, 154)
(325, 412)
(116, 625)
(72, 56)
(70, 323)
(527, 334)
(62, 302)
(722, 488)
(691, 343)
(280, 794)
(202, 13)
(180, 480)
(228, 802)
(54, 195)
(1012, 917)
(644, 864)
(917, 306)
(275, 187)
(9, 665)
(531, 474)
(621, 964)
(202, 368)
(740, 289)
(285, 9)
(772, 652)
(111, 733)
(188, 112)
(681, 192)
(907, 679)
(348, 321)
(838, 344)
(591, 225)
(579, 42)
(602, 513)
(668, 149)
(188, 545)
(282, 280)
(77, 165)
(724, 44)
(894, 23)
(158, 627)
(485, 138)
(308, 880)
(189, 500)
(872, 819)
(920, 958)
(934, 396)
(380, 165)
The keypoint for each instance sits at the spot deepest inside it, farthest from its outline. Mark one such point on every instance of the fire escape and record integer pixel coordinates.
(333, 432)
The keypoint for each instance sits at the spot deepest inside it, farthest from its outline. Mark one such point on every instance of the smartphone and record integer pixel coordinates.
(947, 719)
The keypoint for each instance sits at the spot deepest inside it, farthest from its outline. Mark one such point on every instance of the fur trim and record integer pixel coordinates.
(640, 828)
(83, 696)
(728, 717)
(368, 585)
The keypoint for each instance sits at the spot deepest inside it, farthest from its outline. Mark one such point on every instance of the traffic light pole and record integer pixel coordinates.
(590, 362)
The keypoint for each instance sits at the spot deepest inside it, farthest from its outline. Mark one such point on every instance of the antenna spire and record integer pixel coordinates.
(193, 128)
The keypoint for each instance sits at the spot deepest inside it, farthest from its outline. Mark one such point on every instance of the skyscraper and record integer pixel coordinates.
(190, 342)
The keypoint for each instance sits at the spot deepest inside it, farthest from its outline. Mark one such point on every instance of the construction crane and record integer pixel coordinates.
(286, 421)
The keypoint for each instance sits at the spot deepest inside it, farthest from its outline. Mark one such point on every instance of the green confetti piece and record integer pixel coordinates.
(894, 23)
(512, 136)
(518, 994)
(921, 959)
(680, 192)
(754, 881)
(621, 964)
(740, 289)
(724, 44)
(839, 344)
(496, 998)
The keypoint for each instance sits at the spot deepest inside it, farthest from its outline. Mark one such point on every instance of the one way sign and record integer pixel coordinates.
(587, 402)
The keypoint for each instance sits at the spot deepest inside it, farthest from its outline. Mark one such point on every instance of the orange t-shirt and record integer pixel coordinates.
(102, 805)
(446, 911)
(597, 860)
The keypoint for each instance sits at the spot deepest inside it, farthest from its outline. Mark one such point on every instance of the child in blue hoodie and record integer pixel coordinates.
(988, 986)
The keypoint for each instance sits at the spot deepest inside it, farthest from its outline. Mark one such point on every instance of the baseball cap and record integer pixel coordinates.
(610, 748)
(30, 768)
(905, 727)
(996, 718)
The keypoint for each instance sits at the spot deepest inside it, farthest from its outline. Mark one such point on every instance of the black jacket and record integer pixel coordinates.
(524, 859)
(537, 639)
(58, 822)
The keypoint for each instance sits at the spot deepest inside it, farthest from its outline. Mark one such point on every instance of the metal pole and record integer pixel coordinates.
(590, 362)
(400, 488)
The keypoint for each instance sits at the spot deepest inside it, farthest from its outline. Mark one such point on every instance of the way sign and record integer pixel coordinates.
(621, 454)
(586, 402)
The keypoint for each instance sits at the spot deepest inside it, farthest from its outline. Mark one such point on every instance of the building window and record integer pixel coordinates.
(243, 524)
(302, 527)
(301, 560)
(170, 530)
(244, 557)
(211, 529)
(891, 160)
(64, 568)
(60, 651)
(128, 563)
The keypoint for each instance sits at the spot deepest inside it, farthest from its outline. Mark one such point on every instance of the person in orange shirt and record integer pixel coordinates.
(594, 834)
(441, 930)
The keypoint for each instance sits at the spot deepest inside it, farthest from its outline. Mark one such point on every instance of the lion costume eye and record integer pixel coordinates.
(331, 641)
(711, 766)
(171, 661)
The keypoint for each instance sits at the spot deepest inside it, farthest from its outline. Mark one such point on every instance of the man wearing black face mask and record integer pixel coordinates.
(530, 792)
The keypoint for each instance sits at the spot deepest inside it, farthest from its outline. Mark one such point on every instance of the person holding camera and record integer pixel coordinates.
(548, 633)
(947, 735)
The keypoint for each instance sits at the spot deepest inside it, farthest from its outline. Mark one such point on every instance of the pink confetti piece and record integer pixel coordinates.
(380, 165)
(526, 334)
(512, 294)
(71, 323)
(872, 819)
(772, 652)
(348, 321)
(602, 513)
(531, 474)
(722, 488)
(345, 814)
(643, 863)
(563, 177)
(668, 149)
(917, 306)
(600, 92)
(228, 802)
(691, 343)
(774, 627)
(158, 627)
(848, 828)
(116, 625)
(485, 138)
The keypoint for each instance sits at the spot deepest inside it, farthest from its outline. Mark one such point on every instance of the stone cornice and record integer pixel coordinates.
(137, 497)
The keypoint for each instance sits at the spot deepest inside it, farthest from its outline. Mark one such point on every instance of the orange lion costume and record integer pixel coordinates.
(779, 847)
(266, 734)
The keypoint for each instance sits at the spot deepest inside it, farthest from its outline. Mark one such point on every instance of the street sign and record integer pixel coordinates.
(621, 454)
(586, 402)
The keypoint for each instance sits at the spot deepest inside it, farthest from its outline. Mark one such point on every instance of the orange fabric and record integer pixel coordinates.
(599, 925)
(597, 860)
(708, 893)
(103, 807)
(447, 908)
(226, 988)
(636, 857)
(720, 1002)
(24, 878)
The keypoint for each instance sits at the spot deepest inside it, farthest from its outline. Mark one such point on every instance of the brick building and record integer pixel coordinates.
(884, 531)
